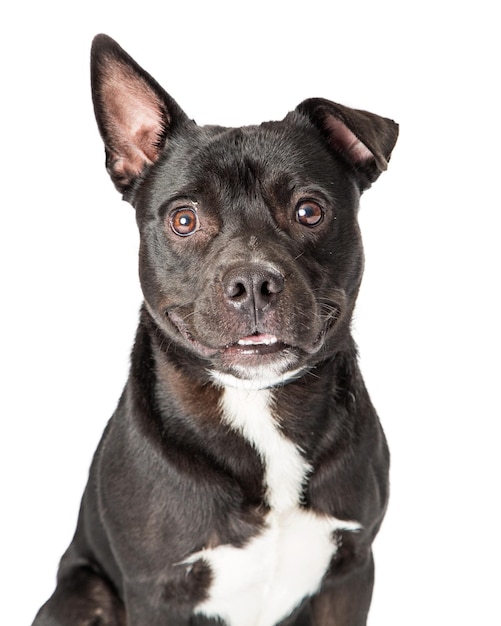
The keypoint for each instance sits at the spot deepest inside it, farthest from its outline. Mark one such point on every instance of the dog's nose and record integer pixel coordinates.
(252, 287)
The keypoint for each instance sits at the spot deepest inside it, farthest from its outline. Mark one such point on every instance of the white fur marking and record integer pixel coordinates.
(285, 469)
(261, 583)
(264, 379)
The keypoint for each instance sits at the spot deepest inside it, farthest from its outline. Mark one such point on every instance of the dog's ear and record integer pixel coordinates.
(134, 114)
(364, 140)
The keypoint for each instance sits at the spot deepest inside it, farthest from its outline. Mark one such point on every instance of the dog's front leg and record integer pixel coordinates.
(82, 596)
(146, 606)
(345, 601)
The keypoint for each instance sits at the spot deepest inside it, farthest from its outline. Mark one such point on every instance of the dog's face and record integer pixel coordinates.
(251, 256)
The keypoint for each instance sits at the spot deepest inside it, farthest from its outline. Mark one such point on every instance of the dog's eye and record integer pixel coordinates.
(184, 221)
(309, 213)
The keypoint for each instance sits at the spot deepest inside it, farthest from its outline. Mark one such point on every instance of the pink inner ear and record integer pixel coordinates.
(347, 142)
(134, 117)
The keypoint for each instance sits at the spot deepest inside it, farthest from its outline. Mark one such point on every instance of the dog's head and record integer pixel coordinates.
(251, 257)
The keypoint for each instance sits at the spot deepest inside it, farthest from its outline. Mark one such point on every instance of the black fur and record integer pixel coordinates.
(169, 477)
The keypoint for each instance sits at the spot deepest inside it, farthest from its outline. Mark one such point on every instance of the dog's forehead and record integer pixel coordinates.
(269, 147)
(244, 160)
(260, 140)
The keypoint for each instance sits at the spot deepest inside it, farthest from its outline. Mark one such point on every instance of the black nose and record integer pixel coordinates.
(252, 286)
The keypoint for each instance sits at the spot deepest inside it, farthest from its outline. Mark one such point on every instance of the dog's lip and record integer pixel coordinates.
(183, 330)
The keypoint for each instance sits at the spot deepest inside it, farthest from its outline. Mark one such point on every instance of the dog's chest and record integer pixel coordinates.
(262, 582)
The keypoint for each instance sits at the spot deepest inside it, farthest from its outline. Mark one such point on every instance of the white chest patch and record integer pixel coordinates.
(261, 583)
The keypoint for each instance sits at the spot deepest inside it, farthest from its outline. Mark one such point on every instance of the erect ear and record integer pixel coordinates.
(364, 140)
(134, 114)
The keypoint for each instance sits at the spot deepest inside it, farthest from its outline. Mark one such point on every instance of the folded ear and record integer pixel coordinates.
(364, 140)
(134, 114)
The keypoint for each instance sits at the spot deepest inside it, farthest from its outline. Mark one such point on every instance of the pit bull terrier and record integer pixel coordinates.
(244, 474)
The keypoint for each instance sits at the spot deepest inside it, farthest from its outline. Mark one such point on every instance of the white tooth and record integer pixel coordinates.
(267, 341)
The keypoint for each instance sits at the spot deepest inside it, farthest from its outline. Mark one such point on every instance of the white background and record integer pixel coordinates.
(428, 316)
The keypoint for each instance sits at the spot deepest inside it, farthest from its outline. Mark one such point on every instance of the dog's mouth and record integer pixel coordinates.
(255, 345)
(249, 348)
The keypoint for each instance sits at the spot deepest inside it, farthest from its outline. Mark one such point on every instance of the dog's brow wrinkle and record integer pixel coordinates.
(253, 242)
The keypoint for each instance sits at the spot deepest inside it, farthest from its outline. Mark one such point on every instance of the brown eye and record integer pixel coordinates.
(184, 221)
(309, 213)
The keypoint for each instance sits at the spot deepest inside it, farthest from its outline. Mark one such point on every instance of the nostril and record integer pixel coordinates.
(236, 290)
(266, 289)
(272, 285)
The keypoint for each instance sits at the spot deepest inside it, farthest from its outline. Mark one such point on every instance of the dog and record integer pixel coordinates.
(244, 475)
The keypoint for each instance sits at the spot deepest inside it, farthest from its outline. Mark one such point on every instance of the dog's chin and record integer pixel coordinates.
(256, 362)
(255, 378)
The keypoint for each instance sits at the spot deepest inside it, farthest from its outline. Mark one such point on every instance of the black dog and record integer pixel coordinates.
(244, 475)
